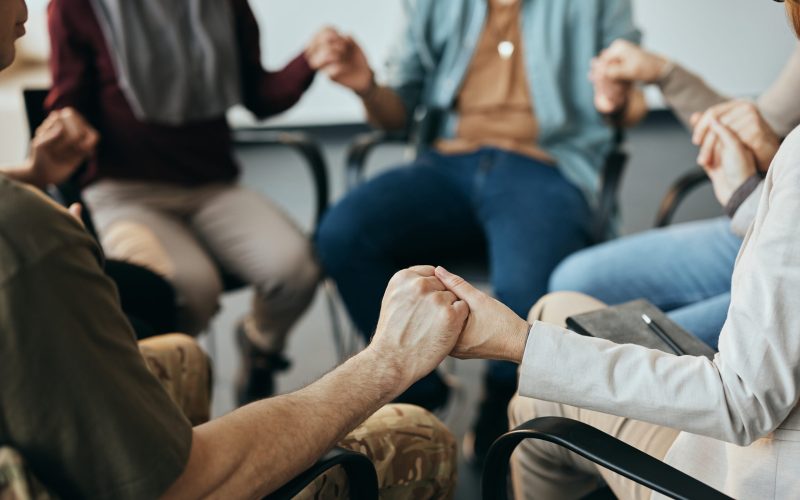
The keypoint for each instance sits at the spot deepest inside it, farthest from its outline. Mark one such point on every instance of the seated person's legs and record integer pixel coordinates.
(672, 268)
(413, 452)
(544, 470)
(412, 214)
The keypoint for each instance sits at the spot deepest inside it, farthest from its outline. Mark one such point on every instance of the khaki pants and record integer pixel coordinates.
(187, 234)
(542, 470)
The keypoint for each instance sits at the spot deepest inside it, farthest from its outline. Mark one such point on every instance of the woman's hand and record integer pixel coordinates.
(734, 161)
(745, 120)
(624, 61)
(492, 331)
(342, 59)
(61, 144)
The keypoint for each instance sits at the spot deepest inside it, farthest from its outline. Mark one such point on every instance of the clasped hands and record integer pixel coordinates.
(428, 313)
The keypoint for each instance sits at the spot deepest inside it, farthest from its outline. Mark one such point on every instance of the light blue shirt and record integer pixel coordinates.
(428, 64)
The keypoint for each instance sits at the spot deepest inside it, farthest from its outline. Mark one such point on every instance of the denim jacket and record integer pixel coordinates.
(429, 62)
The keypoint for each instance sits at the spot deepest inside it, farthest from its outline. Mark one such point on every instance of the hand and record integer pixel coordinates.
(735, 162)
(627, 62)
(610, 96)
(346, 64)
(419, 324)
(326, 47)
(61, 144)
(744, 120)
(492, 331)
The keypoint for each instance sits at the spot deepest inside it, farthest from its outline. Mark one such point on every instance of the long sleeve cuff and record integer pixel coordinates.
(746, 213)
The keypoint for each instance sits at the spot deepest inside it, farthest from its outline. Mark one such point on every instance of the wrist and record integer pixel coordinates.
(29, 174)
(365, 89)
(388, 373)
(517, 340)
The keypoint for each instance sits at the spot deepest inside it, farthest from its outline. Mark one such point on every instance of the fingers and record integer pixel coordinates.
(76, 210)
(458, 285)
(704, 123)
(706, 157)
(725, 134)
(423, 270)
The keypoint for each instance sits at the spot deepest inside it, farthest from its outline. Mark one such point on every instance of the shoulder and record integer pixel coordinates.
(32, 227)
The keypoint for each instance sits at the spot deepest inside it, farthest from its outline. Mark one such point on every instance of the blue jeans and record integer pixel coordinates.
(524, 214)
(685, 270)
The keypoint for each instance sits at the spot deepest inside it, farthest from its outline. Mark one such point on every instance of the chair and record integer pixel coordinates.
(596, 446)
(678, 192)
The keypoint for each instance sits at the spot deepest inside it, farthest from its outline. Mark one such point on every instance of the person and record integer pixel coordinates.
(156, 82)
(71, 358)
(693, 286)
(518, 154)
(731, 422)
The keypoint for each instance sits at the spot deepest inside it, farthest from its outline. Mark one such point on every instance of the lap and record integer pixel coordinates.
(671, 267)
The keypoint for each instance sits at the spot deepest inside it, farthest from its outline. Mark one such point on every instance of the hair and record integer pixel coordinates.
(793, 8)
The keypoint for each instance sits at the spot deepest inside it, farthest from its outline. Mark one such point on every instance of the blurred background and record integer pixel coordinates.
(737, 45)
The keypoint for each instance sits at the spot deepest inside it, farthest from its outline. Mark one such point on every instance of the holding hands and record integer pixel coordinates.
(617, 69)
(61, 144)
(428, 314)
(341, 59)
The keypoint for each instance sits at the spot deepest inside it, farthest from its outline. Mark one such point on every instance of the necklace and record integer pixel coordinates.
(505, 47)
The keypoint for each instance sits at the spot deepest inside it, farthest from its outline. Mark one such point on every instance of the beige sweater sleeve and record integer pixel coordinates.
(686, 93)
(779, 104)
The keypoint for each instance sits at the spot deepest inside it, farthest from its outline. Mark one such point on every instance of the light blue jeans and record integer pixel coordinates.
(684, 269)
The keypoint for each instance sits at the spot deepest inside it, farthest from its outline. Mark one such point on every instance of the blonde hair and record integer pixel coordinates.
(793, 8)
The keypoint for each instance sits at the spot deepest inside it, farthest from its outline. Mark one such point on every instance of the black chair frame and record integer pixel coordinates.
(596, 446)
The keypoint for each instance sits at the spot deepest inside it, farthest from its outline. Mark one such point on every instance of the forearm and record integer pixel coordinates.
(24, 174)
(636, 109)
(258, 448)
(384, 108)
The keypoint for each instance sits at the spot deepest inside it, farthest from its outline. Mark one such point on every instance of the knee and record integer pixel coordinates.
(198, 294)
(337, 237)
(556, 307)
(576, 273)
(293, 275)
(411, 448)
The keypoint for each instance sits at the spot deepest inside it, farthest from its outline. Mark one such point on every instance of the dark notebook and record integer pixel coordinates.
(623, 324)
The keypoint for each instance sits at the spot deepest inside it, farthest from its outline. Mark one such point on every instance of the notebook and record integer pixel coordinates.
(623, 324)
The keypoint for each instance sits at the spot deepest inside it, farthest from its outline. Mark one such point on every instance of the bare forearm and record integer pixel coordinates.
(258, 448)
(384, 108)
(23, 174)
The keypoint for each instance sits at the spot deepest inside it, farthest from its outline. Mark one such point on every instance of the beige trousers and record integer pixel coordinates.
(188, 234)
(546, 471)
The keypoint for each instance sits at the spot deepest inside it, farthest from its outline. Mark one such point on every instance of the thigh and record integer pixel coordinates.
(533, 218)
(165, 245)
(414, 453)
(704, 319)
(670, 267)
(545, 470)
(252, 238)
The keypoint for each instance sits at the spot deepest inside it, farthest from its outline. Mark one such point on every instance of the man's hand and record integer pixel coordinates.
(419, 324)
(492, 331)
(61, 144)
(734, 161)
(746, 122)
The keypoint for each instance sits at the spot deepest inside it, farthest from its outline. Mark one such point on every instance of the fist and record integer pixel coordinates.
(61, 144)
(419, 324)
(624, 61)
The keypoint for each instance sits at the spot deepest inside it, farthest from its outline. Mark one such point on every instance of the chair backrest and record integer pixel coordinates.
(69, 192)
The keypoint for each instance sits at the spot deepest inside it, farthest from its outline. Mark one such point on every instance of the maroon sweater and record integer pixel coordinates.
(192, 154)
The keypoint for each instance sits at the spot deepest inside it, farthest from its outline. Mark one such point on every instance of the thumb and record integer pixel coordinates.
(458, 285)
(76, 210)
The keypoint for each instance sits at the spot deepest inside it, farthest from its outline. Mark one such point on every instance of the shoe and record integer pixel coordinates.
(256, 377)
(491, 423)
(431, 392)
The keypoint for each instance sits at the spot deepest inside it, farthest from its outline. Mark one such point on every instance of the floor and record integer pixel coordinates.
(279, 175)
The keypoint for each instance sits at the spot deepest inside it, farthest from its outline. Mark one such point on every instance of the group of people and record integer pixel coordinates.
(140, 91)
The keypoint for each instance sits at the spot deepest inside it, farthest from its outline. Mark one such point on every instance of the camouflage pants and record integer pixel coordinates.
(178, 363)
(413, 452)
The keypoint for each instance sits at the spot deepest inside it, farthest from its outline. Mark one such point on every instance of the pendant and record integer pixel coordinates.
(505, 49)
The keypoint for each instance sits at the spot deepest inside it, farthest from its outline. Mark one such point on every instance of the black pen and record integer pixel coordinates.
(662, 335)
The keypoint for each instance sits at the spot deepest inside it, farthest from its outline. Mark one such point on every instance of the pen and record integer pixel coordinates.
(662, 335)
